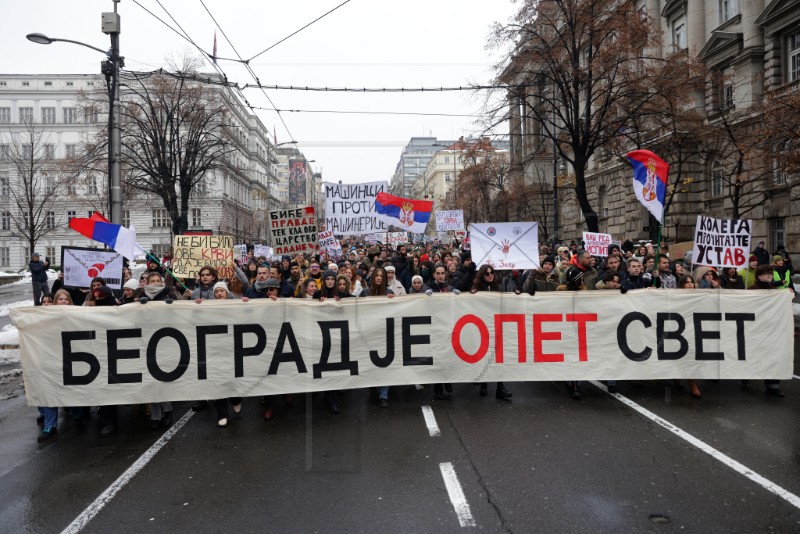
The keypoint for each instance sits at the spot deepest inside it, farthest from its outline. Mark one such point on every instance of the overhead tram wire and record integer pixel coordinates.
(297, 31)
(358, 112)
(250, 70)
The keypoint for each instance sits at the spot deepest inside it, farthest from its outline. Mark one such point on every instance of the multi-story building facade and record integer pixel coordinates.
(231, 202)
(413, 162)
(750, 50)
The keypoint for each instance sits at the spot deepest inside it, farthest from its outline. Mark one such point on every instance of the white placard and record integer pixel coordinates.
(596, 244)
(449, 220)
(240, 251)
(350, 208)
(262, 250)
(396, 238)
(80, 265)
(293, 231)
(513, 245)
(721, 242)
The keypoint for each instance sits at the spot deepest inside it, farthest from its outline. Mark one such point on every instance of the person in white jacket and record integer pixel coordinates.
(392, 282)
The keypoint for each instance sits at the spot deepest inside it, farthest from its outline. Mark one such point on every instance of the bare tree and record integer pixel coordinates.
(36, 184)
(584, 70)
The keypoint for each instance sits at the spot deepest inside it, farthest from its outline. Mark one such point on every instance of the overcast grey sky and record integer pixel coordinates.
(364, 43)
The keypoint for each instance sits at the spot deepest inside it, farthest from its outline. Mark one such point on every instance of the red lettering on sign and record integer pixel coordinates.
(582, 319)
(518, 318)
(539, 355)
(456, 338)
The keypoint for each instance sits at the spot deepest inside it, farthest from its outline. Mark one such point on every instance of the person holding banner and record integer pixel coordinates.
(765, 279)
(542, 279)
(486, 280)
(205, 289)
(749, 273)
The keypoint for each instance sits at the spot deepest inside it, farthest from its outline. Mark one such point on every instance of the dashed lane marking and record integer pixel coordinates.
(770, 486)
(430, 421)
(460, 503)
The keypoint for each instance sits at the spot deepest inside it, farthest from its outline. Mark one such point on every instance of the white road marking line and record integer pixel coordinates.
(104, 498)
(795, 376)
(456, 495)
(770, 486)
(430, 421)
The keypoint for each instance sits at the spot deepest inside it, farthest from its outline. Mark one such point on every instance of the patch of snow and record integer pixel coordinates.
(9, 356)
(9, 335)
(4, 309)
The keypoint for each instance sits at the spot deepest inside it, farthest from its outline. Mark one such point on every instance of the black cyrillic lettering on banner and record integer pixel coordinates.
(68, 358)
(345, 364)
(279, 356)
(240, 351)
(740, 318)
(700, 335)
(115, 354)
(622, 336)
(152, 362)
(202, 352)
(662, 335)
(409, 341)
(387, 360)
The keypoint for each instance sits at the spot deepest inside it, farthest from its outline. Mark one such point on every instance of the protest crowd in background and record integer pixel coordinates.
(381, 271)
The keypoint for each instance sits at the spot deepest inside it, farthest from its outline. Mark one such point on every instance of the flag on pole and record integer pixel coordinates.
(410, 215)
(214, 54)
(649, 180)
(116, 236)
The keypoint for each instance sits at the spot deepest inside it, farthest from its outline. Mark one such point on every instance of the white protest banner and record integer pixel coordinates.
(721, 242)
(193, 252)
(396, 238)
(74, 356)
(596, 244)
(80, 265)
(262, 250)
(449, 220)
(350, 208)
(512, 245)
(335, 251)
(293, 231)
(240, 252)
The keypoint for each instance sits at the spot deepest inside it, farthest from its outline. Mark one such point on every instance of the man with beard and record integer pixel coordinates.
(258, 289)
(290, 280)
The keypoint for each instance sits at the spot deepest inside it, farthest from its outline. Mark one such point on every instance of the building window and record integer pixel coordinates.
(69, 150)
(4, 153)
(792, 54)
(25, 115)
(48, 115)
(27, 151)
(72, 189)
(4, 191)
(5, 257)
(26, 222)
(50, 253)
(5, 220)
(679, 33)
(727, 10)
(5, 115)
(70, 115)
(71, 214)
(50, 151)
(716, 179)
(126, 218)
(776, 233)
(160, 219)
(159, 249)
(197, 219)
(91, 185)
(49, 185)
(50, 220)
(90, 115)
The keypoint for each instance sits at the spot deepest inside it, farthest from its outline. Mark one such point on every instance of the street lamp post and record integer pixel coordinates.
(110, 67)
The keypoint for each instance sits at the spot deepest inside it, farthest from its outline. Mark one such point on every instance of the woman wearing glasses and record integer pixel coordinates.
(486, 280)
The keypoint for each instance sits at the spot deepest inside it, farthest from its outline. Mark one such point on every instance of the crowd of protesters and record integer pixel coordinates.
(379, 271)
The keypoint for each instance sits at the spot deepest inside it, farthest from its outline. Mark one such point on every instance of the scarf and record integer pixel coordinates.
(152, 290)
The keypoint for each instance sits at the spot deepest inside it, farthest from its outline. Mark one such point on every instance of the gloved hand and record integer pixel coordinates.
(429, 292)
(456, 292)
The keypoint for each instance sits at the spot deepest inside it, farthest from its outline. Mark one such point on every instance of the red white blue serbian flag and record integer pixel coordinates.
(410, 215)
(119, 238)
(649, 180)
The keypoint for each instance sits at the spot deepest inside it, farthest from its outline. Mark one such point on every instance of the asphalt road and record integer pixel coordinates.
(542, 463)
